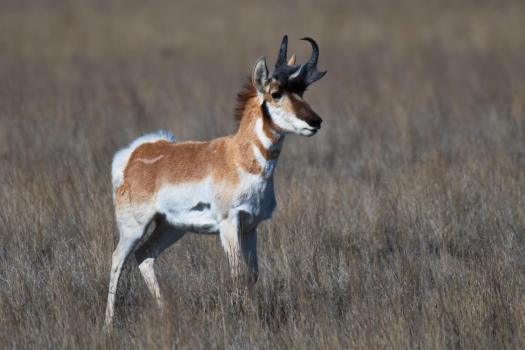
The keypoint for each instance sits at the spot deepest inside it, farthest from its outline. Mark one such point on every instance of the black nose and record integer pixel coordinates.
(315, 123)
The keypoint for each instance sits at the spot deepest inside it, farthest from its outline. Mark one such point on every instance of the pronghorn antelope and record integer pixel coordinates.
(223, 186)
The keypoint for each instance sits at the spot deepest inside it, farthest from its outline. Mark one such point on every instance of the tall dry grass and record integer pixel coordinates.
(400, 225)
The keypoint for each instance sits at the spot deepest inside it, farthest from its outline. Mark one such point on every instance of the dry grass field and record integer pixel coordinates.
(400, 225)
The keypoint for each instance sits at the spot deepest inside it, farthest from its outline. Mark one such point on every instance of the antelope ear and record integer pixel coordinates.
(291, 61)
(260, 75)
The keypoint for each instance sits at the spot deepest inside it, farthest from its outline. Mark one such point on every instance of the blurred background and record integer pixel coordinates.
(400, 225)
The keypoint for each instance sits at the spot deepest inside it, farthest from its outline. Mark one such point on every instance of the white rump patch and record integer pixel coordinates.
(121, 158)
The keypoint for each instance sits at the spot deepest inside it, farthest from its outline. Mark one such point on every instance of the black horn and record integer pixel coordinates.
(315, 52)
(297, 77)
(281, 59)
(312, 73)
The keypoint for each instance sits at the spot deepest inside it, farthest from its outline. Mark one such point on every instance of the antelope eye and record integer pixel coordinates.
(276, 95)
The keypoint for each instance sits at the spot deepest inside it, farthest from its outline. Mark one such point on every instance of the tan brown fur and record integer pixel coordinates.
(300, 107)
(152, 165)
(181, 162)
(246, 135)
(290, 102)
(175, 163)
(247, 93)
(269, 129)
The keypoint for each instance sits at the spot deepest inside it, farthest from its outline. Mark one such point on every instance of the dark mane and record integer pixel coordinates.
(247, 92)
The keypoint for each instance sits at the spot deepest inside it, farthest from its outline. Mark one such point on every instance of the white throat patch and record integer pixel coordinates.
(287, 121)
(261, 135)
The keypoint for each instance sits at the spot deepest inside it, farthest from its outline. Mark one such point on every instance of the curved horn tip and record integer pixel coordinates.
(307, 38)
(315, 51)
(311, 41)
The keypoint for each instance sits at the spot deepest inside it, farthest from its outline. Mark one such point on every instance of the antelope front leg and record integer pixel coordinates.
(230, 239)
(249, 253)
(240, 246)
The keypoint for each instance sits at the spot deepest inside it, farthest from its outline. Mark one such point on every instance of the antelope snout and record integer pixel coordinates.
(315, 122)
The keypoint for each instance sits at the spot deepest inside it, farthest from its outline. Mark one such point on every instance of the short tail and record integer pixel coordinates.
(121, 158)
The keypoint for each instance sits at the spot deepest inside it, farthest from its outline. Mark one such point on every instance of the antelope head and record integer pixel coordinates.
(281, 91)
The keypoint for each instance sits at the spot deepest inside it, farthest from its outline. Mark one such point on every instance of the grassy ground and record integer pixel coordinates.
(400, 225)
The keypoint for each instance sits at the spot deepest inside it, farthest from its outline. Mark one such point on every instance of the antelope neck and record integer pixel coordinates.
(260, 139)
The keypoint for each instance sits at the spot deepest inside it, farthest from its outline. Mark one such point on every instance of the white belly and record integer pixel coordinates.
(195, 207)
(258, 205)
(190, 206)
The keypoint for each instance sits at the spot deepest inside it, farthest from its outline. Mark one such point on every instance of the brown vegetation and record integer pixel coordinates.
(400, 225)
